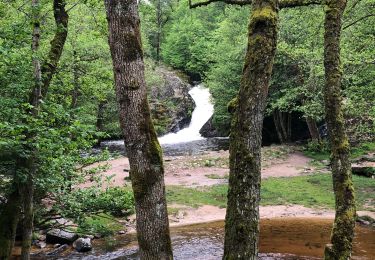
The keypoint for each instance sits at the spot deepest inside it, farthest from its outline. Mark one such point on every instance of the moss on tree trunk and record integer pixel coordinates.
(343, 228)
(242, 218)
(144, 151)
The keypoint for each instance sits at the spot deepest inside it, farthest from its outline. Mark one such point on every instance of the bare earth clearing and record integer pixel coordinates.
(212, 168)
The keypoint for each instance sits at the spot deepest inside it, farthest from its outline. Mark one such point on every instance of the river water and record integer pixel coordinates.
(280, 238)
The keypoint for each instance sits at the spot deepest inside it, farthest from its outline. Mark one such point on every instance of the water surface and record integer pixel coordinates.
(281, 238)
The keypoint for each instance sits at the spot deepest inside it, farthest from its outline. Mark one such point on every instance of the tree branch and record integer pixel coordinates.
(282, 4)
(298, 3)
(356, 21)
(57, 44)
(234, 2)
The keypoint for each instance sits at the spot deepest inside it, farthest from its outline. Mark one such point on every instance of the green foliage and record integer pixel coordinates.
(103, 225)
(318, 150)
(92, 201)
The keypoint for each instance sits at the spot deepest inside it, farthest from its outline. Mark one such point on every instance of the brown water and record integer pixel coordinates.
(282, 238)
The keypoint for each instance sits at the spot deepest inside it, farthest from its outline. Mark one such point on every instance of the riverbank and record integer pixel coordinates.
(294, 185)
(294, 188)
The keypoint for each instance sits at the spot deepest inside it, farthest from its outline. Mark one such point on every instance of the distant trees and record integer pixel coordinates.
(143, 148)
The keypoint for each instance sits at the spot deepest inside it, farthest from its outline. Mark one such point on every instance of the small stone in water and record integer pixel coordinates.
(122, 232)
(82, 244)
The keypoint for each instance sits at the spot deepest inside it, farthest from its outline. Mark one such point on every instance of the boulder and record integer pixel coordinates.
(58, 236)
(171, 104)
(82, 244)
(208, 129)
(364, 171)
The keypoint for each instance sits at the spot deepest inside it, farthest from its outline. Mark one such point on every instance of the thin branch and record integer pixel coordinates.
(282, 4)
(234, 2)
(356, 21)
(298, 3)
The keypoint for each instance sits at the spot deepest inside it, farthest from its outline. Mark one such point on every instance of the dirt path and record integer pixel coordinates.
(209, 169)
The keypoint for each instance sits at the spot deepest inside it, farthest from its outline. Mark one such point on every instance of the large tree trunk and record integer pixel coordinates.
(313, 128)
(242, 218)
(343, 228)
(143, 149)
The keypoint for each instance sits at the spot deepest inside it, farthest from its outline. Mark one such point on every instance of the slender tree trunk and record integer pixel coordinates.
(9, 217)
(282, 120)
(242, 218)
(289, 127)
(57, 44)
(343, 228)
(145, 155)
(100, 116)
(75, 91)
(27, 186)
(158, 35)
(313, 129)
(277, 122)
(24, 189)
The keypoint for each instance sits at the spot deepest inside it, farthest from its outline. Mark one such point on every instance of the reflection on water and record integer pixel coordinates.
(283, 238)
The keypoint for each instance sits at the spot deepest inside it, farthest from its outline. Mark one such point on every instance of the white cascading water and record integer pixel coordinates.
(202, 112)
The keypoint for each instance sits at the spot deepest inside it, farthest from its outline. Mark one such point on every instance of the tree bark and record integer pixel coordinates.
(242, 217)
(9, 217)
(313, 129)
(145, 155)
(343, 228)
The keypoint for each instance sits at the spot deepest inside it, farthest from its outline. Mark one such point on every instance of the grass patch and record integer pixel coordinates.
(102, 224)
(356, 151)
(310, 191)
(362, 149)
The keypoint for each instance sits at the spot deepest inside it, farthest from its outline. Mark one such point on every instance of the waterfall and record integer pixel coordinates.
(202, 112)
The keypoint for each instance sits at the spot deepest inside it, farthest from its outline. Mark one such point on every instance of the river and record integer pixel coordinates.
(280, 238)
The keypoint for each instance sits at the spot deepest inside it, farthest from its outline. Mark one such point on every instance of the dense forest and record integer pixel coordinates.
(73, 74)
